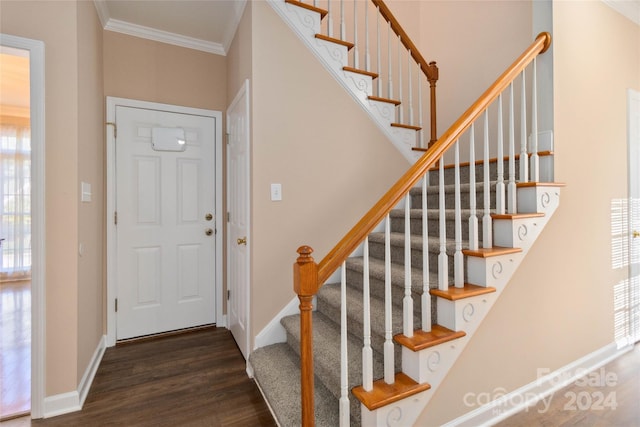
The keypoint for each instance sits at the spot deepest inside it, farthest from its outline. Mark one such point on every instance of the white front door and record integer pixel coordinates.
(238, 220)
(165, 200)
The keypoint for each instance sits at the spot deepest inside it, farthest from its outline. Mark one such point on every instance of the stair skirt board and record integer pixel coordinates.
(306, 24)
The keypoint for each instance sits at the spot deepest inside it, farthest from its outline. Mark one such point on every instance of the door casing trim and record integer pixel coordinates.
(112, 103)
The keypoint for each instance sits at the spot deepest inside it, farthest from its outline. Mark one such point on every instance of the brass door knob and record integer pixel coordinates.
(208, 232)
(208, 217)
(636, 234)
(242, 241)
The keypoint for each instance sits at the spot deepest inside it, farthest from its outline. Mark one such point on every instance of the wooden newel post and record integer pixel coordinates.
(432, 78)
(305, 284)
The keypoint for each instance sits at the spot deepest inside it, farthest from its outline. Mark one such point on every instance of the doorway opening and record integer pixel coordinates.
(22, 226)
(15, 232)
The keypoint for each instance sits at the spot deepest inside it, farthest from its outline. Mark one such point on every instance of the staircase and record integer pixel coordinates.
(414, 283)
(455, 313)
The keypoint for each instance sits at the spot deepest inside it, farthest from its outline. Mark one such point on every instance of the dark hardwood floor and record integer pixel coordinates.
(609, 396)
(198, 379)
(192, 379)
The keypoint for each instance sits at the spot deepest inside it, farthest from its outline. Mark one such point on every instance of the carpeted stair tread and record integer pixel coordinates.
(326, 352)
(277, 371)
(435, 213)
(329, 304)
(377, 272)
(397, 239)
(451, 188)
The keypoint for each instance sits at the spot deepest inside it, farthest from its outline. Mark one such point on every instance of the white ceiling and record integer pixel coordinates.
(207, 25)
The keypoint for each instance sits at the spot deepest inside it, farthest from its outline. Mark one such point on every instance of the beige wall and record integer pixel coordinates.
(146, 70)
(55, 23)
(91, 155)
(310, 136)
(466, 39)
(559, 305)
(239, 57)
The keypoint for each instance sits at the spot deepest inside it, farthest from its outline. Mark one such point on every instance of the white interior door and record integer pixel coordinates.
(238, 220)
(165, 224)
(633, 291)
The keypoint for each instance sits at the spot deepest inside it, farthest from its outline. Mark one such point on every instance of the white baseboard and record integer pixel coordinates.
(60, 404)
(72, 401)
(274, 332)
(530, 394)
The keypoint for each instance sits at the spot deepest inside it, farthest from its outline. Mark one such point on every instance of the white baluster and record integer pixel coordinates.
(487, 240)
(390, 81)
(410, 87)
(389, 355)
(367, 53)
(378, 60)
(343, 25)
(407, 302)
(420, 118)
(356, 54)
(400, 91)
(511, 188)
(473, 219)
(367, 352)
(535, 161)
(329, 20)
(458, 258)
(524, 158)
(426, 298)
(500, 202)
(344, 357)
(443, 261)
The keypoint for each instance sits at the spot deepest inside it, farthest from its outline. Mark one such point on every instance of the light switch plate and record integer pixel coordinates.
(276, 192)
(85, 190)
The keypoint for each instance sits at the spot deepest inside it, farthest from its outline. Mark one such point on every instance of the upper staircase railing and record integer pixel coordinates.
(309, 276)
(384, 51)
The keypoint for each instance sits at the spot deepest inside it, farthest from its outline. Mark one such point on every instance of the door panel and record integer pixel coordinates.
(238, 225)
(165, 257)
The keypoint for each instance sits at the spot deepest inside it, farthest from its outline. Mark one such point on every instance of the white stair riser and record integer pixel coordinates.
(339, 53)
(462, 314)
(539, 199)
(401, 413)
(493, 271)
(431, 364)
(308, 21)
(516, 233)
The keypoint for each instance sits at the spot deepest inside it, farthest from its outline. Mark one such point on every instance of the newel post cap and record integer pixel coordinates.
(305, 272)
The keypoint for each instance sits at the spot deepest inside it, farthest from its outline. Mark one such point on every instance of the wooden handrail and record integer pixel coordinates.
(430, 69)
(332, 261)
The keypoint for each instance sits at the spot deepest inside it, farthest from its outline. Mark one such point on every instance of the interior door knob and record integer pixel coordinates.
(242, 241)
(208, 217)
(208, 232)
(636, 234)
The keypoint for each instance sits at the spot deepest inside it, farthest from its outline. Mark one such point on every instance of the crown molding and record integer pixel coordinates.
(148, 33)
(164, 37)
(628, 8)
